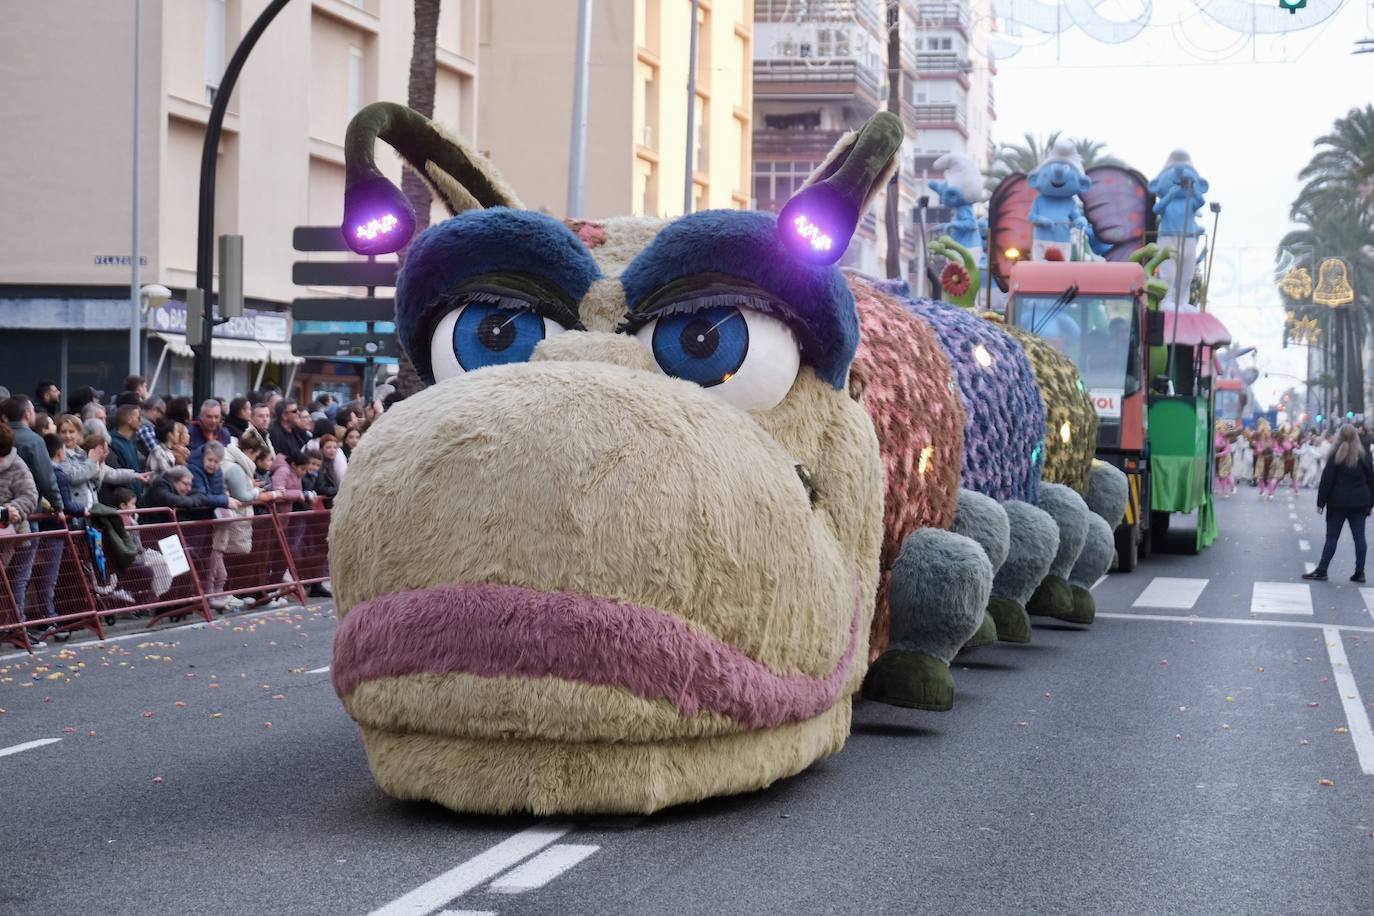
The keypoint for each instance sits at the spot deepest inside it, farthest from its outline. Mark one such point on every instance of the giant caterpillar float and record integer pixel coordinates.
(678, 490)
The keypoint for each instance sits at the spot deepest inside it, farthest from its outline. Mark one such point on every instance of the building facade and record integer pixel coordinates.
(637, 154)
(68, 76)
(821, 69)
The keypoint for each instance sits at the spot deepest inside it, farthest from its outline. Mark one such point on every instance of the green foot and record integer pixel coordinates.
(1052, 599)
(1013, 623)
(986, 635)
(911, 679)
(1084, 607)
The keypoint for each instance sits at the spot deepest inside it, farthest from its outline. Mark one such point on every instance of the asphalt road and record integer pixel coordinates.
(1205, 752)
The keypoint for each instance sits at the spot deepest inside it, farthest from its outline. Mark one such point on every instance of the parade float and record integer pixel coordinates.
(678, 490)
(1100, 289)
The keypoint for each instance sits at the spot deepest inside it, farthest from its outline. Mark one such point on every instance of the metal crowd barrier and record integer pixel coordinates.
(68, 579)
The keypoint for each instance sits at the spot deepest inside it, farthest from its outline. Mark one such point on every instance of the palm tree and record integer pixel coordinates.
(419, 96)
(1017, 157)
(1342, 171)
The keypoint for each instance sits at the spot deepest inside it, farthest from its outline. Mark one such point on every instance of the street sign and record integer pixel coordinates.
(369, 309)
(327, 346)
(318, 238)
(344, 273)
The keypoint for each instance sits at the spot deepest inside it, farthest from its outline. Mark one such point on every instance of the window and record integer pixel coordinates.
(832, 43)
(775, 182)
(355, 80)
(699, 141)
(804, 49)
(214, 47)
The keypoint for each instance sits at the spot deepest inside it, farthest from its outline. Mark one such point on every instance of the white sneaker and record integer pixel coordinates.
(122, 595)
(233, 603)
(219, 604)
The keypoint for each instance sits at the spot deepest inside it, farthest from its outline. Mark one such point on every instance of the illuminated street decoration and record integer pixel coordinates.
(1296, 284)
(1333, 284)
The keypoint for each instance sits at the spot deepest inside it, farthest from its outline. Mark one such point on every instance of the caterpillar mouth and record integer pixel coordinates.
(504, 631)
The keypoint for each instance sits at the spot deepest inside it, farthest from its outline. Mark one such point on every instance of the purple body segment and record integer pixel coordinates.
(1004, 427)
(509, 631)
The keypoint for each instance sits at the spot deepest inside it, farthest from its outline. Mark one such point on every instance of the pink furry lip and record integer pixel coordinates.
(510, 631)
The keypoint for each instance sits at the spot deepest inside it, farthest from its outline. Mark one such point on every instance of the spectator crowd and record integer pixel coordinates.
(231, 460)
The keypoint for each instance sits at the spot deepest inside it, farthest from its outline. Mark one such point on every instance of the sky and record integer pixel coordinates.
(1248, 112)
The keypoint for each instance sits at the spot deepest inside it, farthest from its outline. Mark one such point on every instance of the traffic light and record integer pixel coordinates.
(1292, 5)
(1319, 418)
(1350, 414)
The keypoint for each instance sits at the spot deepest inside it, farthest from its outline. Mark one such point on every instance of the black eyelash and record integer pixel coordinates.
(701, 293)
(489, 291)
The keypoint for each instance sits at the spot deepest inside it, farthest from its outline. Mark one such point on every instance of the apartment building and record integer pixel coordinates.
(68, 77)
(637, 150)
(821, 69)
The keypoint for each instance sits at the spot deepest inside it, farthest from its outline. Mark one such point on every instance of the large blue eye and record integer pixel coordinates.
(741, 354)
(706, 347)
(482, 334)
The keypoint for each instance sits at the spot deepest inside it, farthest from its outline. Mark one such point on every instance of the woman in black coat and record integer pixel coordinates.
(1347, 491)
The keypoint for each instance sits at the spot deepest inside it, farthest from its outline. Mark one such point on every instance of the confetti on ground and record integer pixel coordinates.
(148, 713)
(217, 715)
(1225, 727)
(278, 696)
(1341, 730)
(1230, 699)
(1313, 705)
(267, 725)
(1326, 782)
(157, 780)
(1022, 724)
(180, 704)
(1303, 742)
(1178, 737)
(68, 730)
(91, 733)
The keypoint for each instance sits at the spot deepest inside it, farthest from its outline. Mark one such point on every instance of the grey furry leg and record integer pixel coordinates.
(1108, 493)
(1033, 545)
(940, 585)
(1054, 598)
(981, 518)
(1093, 563)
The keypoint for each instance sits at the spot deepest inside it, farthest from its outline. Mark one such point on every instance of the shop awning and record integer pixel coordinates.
(1194, 327)
(243, 351)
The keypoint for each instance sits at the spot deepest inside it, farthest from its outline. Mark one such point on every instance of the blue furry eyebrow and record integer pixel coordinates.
(742, 248)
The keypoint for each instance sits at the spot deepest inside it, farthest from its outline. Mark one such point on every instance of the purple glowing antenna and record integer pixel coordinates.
(817, 223)
(377, 217)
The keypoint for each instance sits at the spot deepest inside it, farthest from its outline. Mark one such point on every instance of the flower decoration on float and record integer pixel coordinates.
(954, 279)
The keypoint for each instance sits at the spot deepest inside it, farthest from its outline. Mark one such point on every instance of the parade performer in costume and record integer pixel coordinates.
(1267, 464)
(1287, 449)
(1225, 483)
(1309, 461)
(1244, 458)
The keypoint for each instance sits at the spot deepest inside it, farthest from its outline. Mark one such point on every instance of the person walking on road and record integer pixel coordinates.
(1347, 491)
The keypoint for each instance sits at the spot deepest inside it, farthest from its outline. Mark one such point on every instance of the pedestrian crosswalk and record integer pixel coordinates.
(1164, 591)
(1266, 598)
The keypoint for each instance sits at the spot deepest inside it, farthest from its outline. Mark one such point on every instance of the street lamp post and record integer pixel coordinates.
(135, 306)
(205, 228)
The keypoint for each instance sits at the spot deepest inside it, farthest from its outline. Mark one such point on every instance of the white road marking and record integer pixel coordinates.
(1281, 598)
(1309, 566)
(466, 913)
(1304, 545)
(1297, 527)
(1293, 516)
(318, 670)
(1100, 580)
(484, 866)
(155, 634)
(1163, 591)
(542, 869)
(27, 746)
(1355, 715)
(1368, 595)
(1244, 622)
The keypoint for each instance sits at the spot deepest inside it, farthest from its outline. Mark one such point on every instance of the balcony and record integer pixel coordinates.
(943, 65)
(944, 16)
(790, 78)
(807, 145)
(938, 117)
